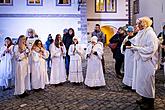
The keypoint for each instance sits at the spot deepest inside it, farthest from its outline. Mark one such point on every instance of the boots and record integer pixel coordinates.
(141, 101)
(147, 103)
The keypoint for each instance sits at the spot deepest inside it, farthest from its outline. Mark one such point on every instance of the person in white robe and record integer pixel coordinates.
(39, 67)
(146, 60)
(31, 38)
(58, 52)
(94, 74)
(75, 68)
(22, 77)
(6, 70)
(128, 58)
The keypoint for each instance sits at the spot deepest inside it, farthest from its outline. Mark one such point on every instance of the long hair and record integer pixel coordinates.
(8, 38)
(36, 43)
(21, 36)
(57, 43)
(73, 33)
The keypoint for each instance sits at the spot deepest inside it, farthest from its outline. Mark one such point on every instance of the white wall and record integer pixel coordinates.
(49, 7)
(14, 25)
(121, 14)
(43, 26)
(155, 9)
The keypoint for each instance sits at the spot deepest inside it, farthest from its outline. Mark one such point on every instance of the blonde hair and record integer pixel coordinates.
(145, 21)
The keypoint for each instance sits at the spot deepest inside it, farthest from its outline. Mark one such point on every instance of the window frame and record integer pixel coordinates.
(105, 7)
(34, 4)
(57, 4)
(7, 4)
(136, 7)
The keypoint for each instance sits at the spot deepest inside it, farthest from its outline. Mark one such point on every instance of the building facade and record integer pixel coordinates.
(155, 9)
(110, 14)
(45, 16)
(52, 16)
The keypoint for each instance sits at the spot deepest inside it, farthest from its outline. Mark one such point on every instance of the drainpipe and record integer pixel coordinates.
(129, 12)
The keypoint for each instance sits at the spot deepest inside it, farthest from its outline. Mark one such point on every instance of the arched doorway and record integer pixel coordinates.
(109, 31)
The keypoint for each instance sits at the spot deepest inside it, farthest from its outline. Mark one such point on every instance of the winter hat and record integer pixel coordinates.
(94, 39)
(65, 30)
(130, 29)
(75, 37)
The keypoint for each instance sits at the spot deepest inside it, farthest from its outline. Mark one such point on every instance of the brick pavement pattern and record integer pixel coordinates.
(79, 97)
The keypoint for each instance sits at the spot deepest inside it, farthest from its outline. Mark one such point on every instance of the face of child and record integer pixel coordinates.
(59, 38)
(22, 41)
(7, 42)
(39, 44)
(75, 41)
(93, 43)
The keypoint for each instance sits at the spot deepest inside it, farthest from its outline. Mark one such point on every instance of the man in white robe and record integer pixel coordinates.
(146, 60)
(94, 74)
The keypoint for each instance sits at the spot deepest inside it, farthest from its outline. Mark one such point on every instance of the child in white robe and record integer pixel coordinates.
(75, 67)
(58, 71)
(39, 68)
(94, 74)
(6, 70)
(22, 77)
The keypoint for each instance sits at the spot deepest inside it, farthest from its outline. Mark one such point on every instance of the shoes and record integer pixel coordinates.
(37, 90)
(146, 106)
(146, 103)
(127, 87)
(139, 102)
(23, 95)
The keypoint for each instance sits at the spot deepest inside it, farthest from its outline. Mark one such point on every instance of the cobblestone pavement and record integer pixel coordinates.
(79, 97)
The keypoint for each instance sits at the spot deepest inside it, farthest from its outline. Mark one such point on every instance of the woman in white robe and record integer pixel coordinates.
(58, 52)
(94, 74)
(75, 68)
(6, 70)
(128, 58)
(39, 69)
(146, 58)
(22, 75)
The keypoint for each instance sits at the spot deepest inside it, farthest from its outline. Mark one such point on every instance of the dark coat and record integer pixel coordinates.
(117, 38)
(67, 40)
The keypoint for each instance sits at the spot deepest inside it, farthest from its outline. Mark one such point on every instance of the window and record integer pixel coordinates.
(34, 2)
(6, 2)
(136, 6)
(63, 2)
(105, 6)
